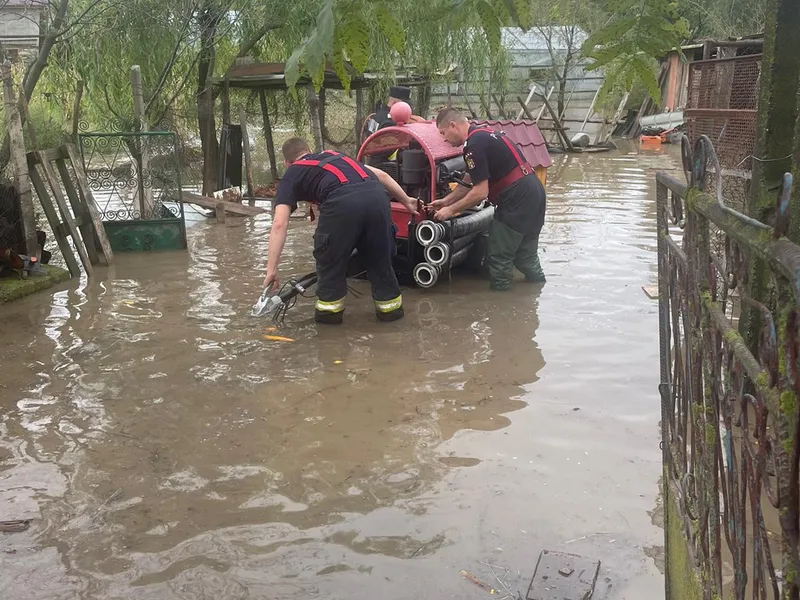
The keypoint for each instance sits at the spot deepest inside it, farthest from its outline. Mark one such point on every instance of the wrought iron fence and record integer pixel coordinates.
(729, 416)
(134, 175)
(135, 178)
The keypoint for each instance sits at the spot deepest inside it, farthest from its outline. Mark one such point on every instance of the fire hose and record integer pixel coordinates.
(429, 232)
(427, 275)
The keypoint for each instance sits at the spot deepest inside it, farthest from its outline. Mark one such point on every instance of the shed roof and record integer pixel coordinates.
(272, 76)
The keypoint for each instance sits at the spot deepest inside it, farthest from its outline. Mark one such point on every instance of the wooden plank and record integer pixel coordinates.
(79, 210)
(233, 208)
(50, 154)
(721, 113)
(52, 216)
(88, 199)
(66, 215)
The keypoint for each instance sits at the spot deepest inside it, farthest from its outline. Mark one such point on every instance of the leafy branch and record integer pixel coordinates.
(638, 32)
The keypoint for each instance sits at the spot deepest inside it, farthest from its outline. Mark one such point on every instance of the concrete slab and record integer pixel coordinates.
(12, 288)
(561, 576)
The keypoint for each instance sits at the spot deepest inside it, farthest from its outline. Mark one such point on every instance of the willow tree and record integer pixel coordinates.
(180, 46)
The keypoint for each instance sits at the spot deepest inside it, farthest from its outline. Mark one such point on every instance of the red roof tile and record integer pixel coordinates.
(526, 135)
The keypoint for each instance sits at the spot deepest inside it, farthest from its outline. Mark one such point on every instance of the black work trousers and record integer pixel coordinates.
(358, 217)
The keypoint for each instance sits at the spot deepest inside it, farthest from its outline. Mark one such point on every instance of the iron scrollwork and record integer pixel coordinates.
(730, 420)
(133, 174)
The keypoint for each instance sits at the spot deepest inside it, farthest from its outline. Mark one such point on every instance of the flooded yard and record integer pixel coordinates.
(164, 449)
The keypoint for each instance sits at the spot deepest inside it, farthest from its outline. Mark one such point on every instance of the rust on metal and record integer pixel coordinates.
(730, 418)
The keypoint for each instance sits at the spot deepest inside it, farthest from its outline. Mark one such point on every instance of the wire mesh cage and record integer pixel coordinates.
(722, 105)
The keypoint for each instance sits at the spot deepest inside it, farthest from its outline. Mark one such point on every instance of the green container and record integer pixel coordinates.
(146, 235)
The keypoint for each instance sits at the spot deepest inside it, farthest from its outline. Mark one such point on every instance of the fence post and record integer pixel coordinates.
(248, 161)
(22, 180)
(273, 162)
(143, 159)
(665, 385)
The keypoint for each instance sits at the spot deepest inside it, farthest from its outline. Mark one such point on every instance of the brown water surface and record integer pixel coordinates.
(164, 449)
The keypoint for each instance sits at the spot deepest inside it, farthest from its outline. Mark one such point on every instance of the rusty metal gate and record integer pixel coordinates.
(729, 418)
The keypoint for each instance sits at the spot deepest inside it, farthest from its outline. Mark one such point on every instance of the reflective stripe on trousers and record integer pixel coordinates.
(387, 306)
(332, 307)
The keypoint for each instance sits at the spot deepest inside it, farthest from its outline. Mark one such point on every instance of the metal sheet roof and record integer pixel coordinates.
(526, 135)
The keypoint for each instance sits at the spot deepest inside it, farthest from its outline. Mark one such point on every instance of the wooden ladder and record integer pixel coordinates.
(84, 222)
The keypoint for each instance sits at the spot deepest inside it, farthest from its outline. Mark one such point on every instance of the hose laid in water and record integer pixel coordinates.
(430, 232)
(427, 275)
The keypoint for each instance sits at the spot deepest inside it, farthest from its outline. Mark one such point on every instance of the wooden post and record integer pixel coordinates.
(22, 180)
(248, 165)
(273, 162)
(76, 112)
(359, 116)
(145, 193)
(219, 212)
(313, 114)
(226, 103)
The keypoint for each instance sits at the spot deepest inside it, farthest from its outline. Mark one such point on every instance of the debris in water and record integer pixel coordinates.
(471, 578)
(277, 338)
(651, 291)
(338, 362)
(15, 526)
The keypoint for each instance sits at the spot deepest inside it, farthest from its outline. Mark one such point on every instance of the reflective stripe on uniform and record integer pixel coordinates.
(386, 306)
(333, 307)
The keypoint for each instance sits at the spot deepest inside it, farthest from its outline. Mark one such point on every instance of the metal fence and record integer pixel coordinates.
(729, 417)
(135, 178)
(722, 105)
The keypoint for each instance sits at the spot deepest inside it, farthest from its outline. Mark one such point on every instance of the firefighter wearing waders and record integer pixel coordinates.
(498, 170)
(354, 213)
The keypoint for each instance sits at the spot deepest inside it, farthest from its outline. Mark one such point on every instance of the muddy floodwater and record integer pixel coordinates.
(164, 449)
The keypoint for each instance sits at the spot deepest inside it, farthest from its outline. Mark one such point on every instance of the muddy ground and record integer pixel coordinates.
(164, 449)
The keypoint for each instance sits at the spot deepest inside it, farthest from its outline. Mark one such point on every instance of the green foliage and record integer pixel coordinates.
(376, 33)
(638, 31)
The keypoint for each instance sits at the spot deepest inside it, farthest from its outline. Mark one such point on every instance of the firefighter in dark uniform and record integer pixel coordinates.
(353, 213)
(498, 170)
(381, 118)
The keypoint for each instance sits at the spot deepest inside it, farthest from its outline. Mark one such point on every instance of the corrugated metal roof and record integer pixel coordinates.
(515, 39)
(526, 135)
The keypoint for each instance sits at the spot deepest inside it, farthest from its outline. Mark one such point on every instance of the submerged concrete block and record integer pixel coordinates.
(561, 576)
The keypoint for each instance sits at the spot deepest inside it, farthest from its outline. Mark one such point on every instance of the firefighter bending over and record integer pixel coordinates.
(353, 213)
(499, 171)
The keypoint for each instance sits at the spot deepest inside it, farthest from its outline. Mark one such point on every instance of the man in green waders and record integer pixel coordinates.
(497, 170)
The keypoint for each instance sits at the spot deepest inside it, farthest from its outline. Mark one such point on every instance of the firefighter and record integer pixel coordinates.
(381, 118)
(353, 213)
(498, 170)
